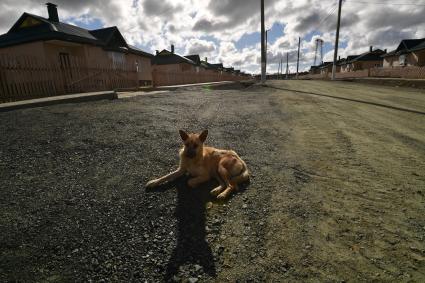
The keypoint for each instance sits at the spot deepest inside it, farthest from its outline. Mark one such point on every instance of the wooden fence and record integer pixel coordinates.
(166, 78)
(401, 72)
(24, 77)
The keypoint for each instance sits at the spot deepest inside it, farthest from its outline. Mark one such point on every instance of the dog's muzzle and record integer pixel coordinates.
(190, 153)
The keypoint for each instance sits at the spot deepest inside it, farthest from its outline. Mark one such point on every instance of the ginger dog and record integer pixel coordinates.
(203, 163)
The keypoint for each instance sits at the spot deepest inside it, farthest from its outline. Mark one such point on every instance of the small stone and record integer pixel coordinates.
(193, 280)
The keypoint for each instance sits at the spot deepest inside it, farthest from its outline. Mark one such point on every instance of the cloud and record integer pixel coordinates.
(199, 46)
(191, 24)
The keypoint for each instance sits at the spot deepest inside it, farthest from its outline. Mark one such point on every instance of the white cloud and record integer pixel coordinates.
(186, 23)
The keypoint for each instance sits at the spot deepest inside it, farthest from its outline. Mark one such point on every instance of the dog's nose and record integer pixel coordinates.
(190, 153)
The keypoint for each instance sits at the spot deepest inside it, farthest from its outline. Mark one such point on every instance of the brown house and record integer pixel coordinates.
(346, 65)
(410, 52)
(170, 68)
(365, 61)
(55, 42)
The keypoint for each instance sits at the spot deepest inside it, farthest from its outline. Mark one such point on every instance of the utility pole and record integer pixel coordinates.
(266, 53)
(298, 56)
(287, 64)
(336, 40)
(263, 55)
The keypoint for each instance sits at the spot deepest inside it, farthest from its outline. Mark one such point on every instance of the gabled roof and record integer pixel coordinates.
(108, 34)
(218, 66)
(194, 58)
(43, 29)
(29, 28)
(406, 46)
(166, 57)
(420, 46)
(207, 65)
(324, 65)
(374, 55)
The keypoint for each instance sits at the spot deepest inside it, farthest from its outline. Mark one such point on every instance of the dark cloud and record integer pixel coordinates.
(201, 47)
(237, 11)
(203, 25)
(160, 8)
(396, 18)
(307, 23)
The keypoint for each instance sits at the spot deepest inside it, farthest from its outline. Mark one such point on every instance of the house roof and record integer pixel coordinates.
(194, 58)
(30, 28)
(420, 46)
(324, 65)
(374, 55)
(166, 57)
(218, 66)
(406, 46)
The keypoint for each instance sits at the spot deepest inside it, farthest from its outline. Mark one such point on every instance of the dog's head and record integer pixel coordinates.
(193, 143)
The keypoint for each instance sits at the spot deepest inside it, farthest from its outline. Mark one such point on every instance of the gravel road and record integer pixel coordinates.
(337, 192)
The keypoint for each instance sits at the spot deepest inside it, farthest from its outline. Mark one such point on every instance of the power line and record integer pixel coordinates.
(329, 14)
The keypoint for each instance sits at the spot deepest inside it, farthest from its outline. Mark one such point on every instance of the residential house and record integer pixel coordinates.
(367, 60)
(325, 67)
(410, 52)
(346, 65)
(169, 68)
(54, 42)
(314, 70)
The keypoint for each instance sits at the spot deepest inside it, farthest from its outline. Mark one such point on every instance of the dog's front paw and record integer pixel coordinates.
(215, 192)
(151, 184)
(222, 196)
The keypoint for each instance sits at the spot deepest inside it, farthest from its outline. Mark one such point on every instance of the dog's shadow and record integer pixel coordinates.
(192, 247)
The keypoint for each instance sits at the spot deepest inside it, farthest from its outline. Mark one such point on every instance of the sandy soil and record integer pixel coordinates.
(337, 193)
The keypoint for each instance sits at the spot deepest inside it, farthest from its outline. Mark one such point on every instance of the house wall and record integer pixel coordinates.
(420, 55)
(412, 59)
(53, 48)
(345, 68)
(363, 65)
(389, 61)
(33, 49)
(183, 73)
(143, 66)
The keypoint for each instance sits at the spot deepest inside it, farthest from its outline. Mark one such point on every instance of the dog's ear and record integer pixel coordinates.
(183, 135)
(203, 135)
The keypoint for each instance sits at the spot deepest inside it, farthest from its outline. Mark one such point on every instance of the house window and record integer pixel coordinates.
(402, 60)
(117, 58)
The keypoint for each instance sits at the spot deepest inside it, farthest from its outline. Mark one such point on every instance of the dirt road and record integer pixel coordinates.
(337, 193)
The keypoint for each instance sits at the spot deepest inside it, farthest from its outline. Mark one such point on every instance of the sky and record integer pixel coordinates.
(228, 31)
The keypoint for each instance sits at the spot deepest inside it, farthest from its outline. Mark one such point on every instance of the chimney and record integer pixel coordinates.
(339, 57)
(206, 59)
(370, 48)
(172, 48)
(156, 52)
(385, 50)
(53, 12)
